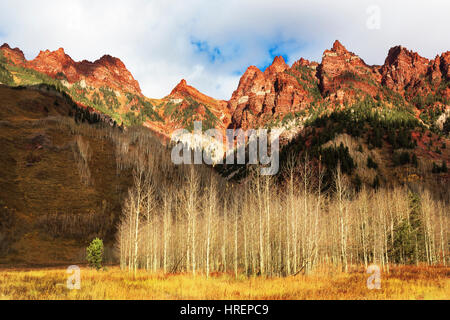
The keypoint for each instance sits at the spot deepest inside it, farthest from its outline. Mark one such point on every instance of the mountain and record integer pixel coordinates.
(262, 97)
(341, 78)
(107, 71)
(183, 106)
(107, 87)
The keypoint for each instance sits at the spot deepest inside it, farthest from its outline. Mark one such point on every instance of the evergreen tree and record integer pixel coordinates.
(94, 253)
(408, 235)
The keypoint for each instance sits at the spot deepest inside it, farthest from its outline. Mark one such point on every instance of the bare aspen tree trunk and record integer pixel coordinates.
(224, 238)
(441, 236)
(427, 209)
(290, 212)
(155, 246)
(192, 214)
(245, 248)
(130, 232)
(294, 236)
(193, 238)
(122, 245)
(138, 176)
(212, 202)
(363, 212)
(316, 218)
(188, 242)
(166, 229)
(305, 177)
(261, 227)
(149, 206)
(340, 191)
(235, 242)
(279, 267)
(245, 230)
(289, 216)
(268, 224)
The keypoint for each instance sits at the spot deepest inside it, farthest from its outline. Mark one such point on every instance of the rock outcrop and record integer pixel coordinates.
(403, 68)
(107, 71)
(184, 91)
(262, 95)
(341, 77)
(344, 70)
(15, 55)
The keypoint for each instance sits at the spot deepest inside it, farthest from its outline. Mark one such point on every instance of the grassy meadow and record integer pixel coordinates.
(402, 282)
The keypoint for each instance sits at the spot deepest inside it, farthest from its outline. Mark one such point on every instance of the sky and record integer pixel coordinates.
(210, 43)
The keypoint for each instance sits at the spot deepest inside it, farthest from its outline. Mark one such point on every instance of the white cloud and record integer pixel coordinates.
(209, 42)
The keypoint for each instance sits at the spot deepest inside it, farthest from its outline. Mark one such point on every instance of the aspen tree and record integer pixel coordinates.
(149, 207)
(211, 207)
(441, 236)
(224, 235)
(138, 175)
(268, 224)
(235, 241)
(340, 193)
(261, 227)
(166, 229)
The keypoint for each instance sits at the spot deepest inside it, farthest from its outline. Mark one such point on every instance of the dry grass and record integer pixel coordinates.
(401, 283)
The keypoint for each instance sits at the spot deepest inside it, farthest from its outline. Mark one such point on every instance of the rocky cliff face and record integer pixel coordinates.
(276, 91)
(107, 71)
(183, 91)
(342, 72)
(183, 106)
(404, 68)
(341, 77)
(15, 55)
(411, 75)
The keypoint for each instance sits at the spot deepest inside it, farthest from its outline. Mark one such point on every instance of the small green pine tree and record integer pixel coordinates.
(408, 236)
(94, 253)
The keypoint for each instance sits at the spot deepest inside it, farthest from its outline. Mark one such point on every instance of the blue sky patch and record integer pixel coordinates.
(212, 53)
(273, 52)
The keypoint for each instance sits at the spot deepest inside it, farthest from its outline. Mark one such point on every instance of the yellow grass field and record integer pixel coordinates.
(50, 284)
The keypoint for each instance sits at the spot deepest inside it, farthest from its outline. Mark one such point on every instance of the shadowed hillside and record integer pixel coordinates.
(63, 179)
(42, 192)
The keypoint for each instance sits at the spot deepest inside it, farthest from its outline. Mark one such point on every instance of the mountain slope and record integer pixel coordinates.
(58, 181)
(183, 106)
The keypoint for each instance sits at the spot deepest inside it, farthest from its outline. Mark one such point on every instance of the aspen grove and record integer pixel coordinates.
(202, 224)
